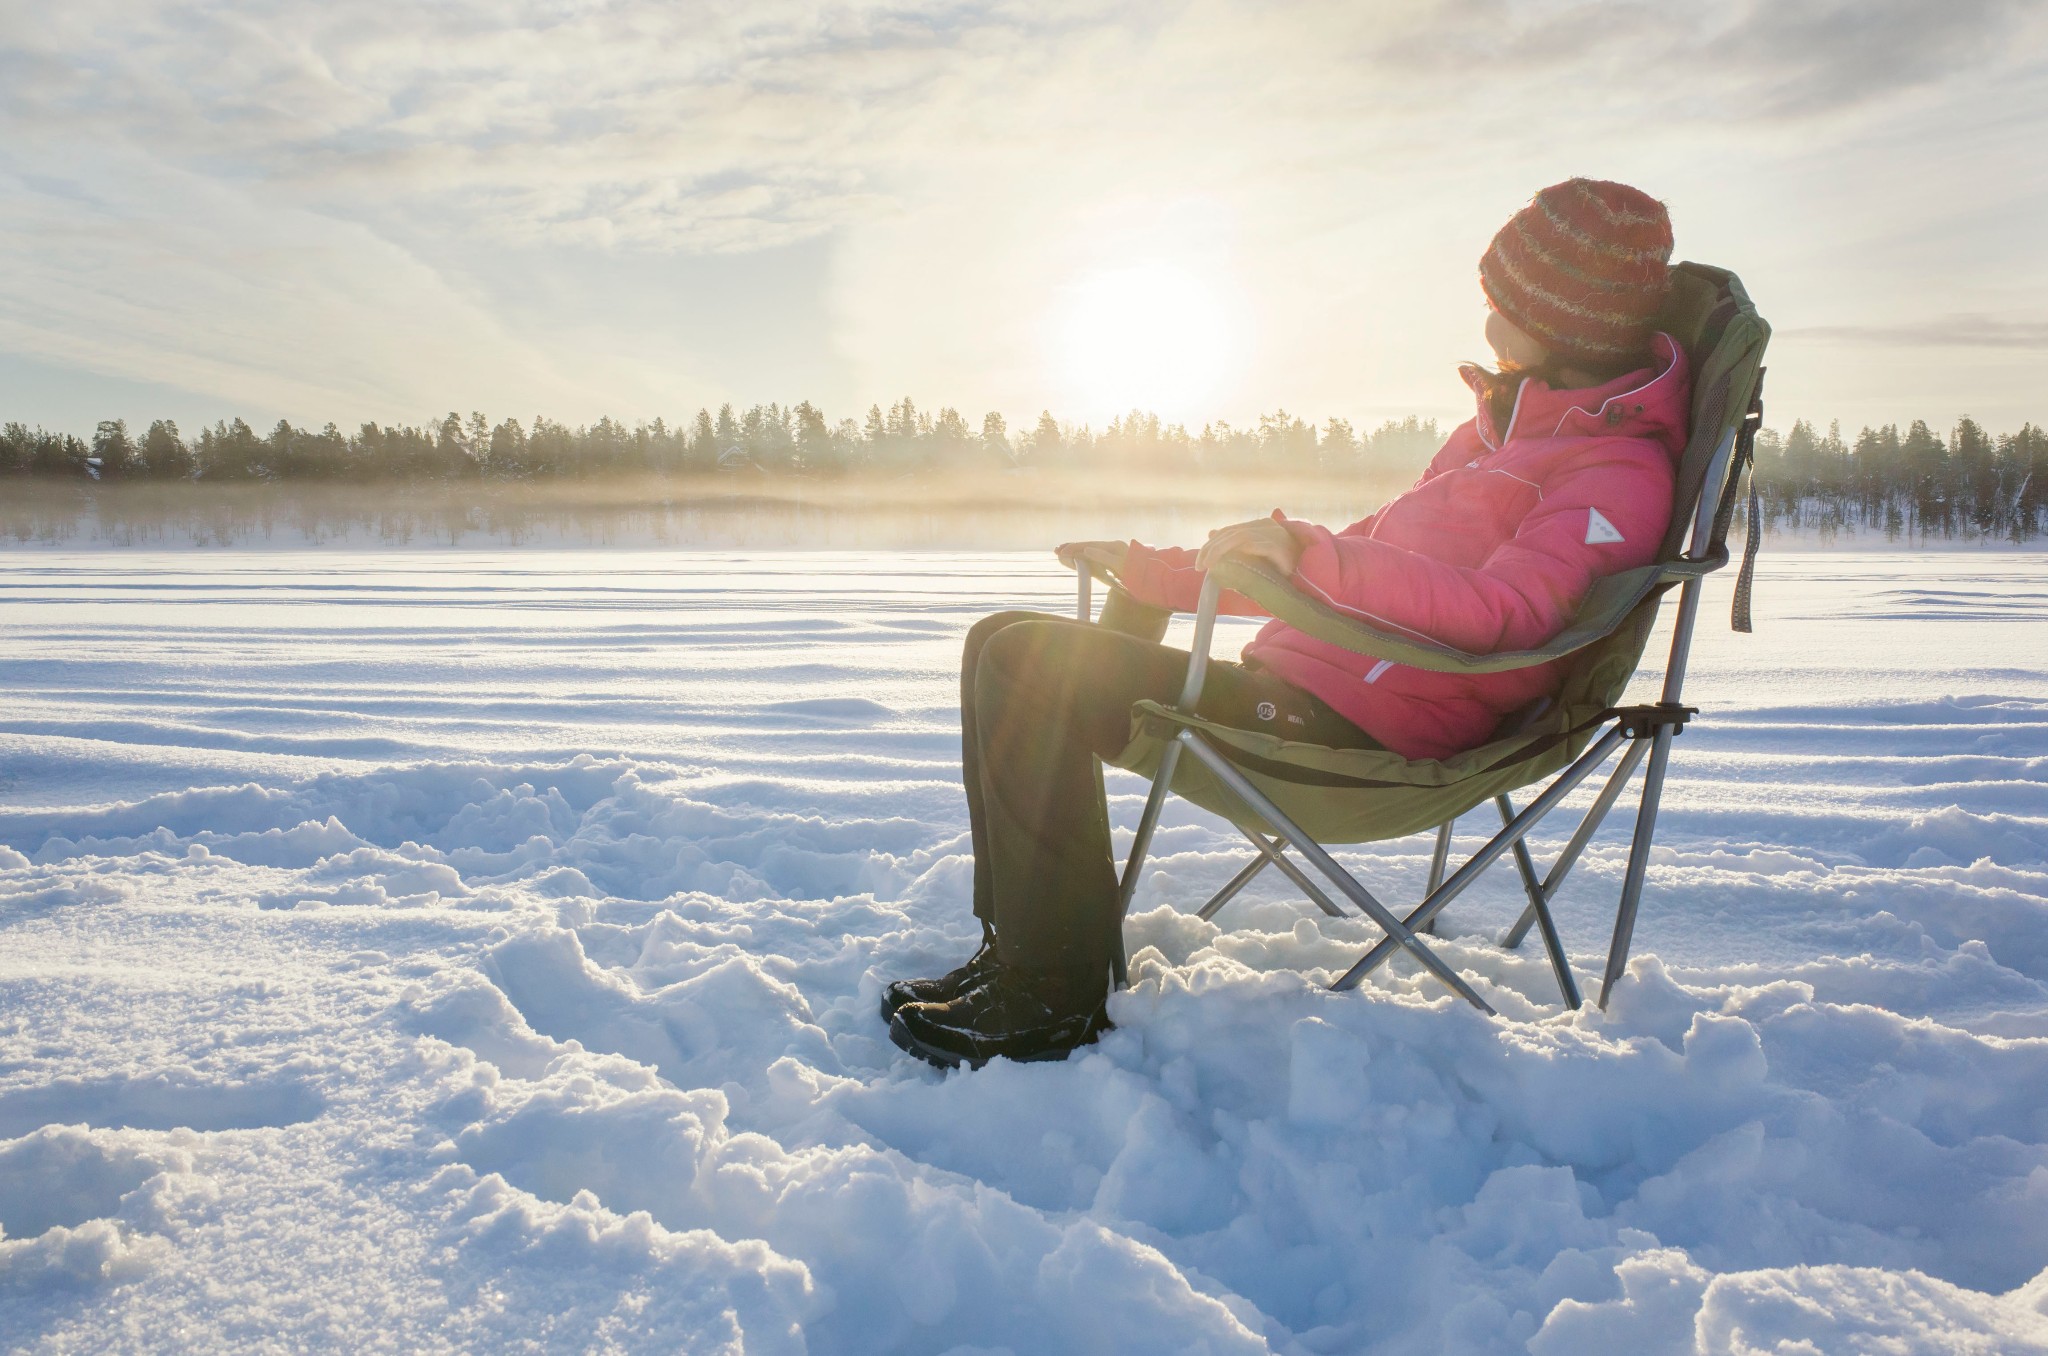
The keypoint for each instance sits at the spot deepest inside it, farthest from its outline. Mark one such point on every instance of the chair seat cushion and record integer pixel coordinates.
(1354, 795)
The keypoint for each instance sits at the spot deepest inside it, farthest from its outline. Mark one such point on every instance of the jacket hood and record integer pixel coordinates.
(1652, 402)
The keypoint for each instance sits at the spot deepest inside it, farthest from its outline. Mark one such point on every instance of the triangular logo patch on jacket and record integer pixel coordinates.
(1599, 531)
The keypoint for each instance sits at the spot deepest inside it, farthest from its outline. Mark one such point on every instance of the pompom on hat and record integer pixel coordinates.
(1582, 269)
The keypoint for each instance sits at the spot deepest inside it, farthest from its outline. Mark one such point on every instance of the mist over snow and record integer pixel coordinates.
(473, 951)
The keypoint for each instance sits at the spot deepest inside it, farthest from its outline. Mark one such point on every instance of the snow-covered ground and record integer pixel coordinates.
(440, 950)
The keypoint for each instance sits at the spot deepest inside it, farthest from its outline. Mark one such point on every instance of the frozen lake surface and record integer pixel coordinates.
(441, 950)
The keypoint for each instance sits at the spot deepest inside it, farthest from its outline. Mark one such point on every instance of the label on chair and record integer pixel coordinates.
(1599, 531)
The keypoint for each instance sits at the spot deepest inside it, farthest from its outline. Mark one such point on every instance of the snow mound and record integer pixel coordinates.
(77, 1207)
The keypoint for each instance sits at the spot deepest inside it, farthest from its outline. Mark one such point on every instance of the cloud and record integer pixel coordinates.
(1952, 331)
(150, 272)
(730, 125)
(1802, 56)
(351, 204)
(334, 207)
(1763, 60)
(705, 126)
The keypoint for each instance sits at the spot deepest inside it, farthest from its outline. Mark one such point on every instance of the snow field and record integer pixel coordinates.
(419, 952)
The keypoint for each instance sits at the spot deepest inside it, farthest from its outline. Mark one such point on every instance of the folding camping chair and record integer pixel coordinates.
(1282, 794)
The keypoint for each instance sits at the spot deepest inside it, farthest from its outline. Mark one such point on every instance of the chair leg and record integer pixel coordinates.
(1525, 867)
(1565, 783)
(1169, 759)
(1272, 852)
(1638, 863)
(1524, 863)
(1438, 860)
(1581, 836)
(1236, 883)
(1141, 841)
(1442, 856)
(1397, 932)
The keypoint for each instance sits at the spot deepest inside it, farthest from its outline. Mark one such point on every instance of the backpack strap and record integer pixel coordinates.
(1741, 463)
(1738, 612)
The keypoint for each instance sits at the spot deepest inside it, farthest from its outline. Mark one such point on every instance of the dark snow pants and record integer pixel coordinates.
(1041, 698)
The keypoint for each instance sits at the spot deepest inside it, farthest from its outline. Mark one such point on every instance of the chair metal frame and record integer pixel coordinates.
(1638, 732)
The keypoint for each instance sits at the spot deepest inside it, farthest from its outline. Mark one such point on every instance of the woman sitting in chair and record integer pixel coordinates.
(1563, 475)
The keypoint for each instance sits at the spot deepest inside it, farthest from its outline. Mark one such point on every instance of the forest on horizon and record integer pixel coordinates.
(1968, 483)
(771, 439)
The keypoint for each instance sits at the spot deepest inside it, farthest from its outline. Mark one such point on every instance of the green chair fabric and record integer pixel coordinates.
(1356, 796)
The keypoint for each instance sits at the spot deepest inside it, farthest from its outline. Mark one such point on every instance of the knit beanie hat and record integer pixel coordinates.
(1582, 268)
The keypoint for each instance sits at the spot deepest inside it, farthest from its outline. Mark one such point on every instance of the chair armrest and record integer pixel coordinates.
(1120, 611)
(1087, 571)
(1607, 604)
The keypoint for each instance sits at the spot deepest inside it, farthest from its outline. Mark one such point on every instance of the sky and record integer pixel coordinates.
(345, 210)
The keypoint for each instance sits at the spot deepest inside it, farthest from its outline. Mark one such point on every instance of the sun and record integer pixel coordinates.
(1148, 336)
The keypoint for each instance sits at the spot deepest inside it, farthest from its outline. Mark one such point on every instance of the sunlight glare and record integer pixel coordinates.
(1150, 336)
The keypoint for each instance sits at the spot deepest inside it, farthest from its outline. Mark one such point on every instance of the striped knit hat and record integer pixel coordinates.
(1582, 268)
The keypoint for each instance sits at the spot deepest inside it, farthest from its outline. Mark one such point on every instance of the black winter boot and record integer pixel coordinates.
(1014, 1014)
(945, 988)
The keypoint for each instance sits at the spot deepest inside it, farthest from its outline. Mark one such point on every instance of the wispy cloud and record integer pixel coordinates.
(1951, 331)
(1751, 61)
(703, 126)
(1803, 56)
(742, 125)
(179, 279)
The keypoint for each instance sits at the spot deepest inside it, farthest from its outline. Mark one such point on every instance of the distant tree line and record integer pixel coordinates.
(1916, 485)
(1906, 487)
(767, 439)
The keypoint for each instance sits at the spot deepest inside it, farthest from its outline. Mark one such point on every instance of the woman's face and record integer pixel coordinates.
(1514, 349)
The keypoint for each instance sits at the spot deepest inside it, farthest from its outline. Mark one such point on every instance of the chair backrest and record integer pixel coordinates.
(1359, 795)
(1711, 316)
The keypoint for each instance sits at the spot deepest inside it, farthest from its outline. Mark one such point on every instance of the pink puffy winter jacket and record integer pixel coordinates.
(1492, 549)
